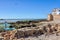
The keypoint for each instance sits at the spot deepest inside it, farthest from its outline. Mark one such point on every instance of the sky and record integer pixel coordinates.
(27, 9)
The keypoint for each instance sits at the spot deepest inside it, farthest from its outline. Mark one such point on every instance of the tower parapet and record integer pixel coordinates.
(56, 11)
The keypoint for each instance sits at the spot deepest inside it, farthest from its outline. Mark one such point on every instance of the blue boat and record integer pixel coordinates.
(9, 29)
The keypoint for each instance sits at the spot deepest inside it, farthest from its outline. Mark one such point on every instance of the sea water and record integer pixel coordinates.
(2, 26)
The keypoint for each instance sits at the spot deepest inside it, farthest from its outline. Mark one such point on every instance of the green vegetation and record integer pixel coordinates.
(2, 27)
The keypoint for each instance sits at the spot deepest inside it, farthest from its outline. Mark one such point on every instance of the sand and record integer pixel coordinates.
(42, 37)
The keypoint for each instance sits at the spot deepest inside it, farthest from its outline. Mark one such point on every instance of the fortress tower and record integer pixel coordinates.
(50, 17)
(55, 15)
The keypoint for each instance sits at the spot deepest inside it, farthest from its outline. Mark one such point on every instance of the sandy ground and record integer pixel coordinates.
(42, 37)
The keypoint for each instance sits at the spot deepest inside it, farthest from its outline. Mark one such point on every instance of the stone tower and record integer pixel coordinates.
(50, 17)
(55, 15)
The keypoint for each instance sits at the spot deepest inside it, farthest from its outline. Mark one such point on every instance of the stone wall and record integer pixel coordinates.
(50, 17)
(56, 17)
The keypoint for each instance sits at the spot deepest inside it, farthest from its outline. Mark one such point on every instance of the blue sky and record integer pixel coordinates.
(21, 9)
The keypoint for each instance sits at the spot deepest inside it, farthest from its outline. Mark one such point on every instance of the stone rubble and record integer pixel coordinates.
(34, 33)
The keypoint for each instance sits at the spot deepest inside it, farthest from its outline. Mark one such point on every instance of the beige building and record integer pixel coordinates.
(55, 15)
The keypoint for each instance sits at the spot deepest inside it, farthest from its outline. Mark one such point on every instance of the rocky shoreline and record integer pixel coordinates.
(33, 33)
